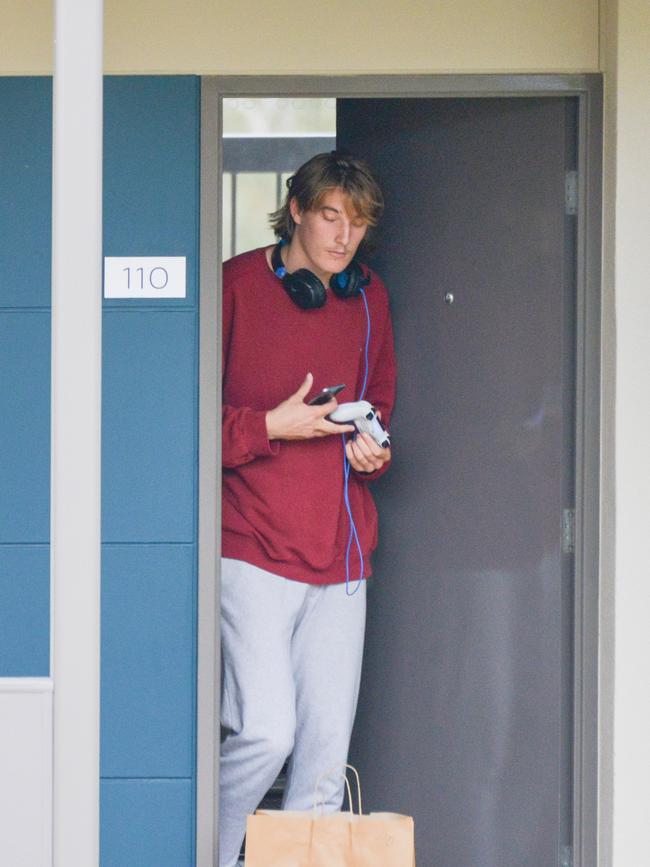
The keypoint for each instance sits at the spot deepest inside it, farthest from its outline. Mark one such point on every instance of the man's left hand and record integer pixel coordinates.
(364, 455)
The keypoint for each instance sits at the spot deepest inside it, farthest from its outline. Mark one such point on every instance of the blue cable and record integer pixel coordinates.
(365, 378)
(346, 476)
(353, 529)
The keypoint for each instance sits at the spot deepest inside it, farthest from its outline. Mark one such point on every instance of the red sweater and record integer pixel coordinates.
(283, 506)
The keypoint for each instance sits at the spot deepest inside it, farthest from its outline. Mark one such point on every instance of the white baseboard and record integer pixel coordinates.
(26, 771)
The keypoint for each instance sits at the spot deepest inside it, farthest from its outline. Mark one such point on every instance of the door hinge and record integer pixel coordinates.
(566, 857)
(571, 193)
(568, 531)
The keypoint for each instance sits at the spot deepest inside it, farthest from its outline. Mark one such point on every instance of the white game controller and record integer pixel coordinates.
(364, 417)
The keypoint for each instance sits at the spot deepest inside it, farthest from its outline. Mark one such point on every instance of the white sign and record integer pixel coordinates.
(144, 276)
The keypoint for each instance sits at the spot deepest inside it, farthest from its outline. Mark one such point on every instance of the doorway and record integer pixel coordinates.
(478, 699)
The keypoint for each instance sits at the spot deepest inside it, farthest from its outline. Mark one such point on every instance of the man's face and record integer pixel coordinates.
(325, 239)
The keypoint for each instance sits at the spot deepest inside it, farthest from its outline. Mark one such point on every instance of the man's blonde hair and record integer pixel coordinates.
(320, 175)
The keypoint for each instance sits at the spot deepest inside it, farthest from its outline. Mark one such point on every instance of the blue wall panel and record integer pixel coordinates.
(25, 253)
(24, 611)
(147, 713)
(151, 171)
(24, 426)
(26, 184)
(149, 479)
(151, 207)
(149, 426)
(146, 823)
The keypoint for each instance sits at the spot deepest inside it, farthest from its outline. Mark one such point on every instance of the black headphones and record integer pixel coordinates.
(307, 291)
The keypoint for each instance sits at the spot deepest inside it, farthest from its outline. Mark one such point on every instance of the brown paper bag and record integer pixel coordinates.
(280, 838)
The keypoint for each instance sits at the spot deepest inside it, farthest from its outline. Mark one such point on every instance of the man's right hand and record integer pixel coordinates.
(293, 419)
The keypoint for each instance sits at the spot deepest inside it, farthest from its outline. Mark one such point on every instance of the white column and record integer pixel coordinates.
(76, 427)
(632, 266)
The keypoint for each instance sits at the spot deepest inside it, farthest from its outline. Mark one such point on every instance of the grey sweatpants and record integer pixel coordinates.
(291, 662)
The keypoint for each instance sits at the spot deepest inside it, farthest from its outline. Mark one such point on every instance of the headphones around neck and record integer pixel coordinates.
(307, 291)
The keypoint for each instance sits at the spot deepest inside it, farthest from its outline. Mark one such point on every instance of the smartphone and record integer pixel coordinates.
(326, 395)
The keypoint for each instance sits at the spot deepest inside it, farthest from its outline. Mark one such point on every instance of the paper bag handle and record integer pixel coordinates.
(347, 785)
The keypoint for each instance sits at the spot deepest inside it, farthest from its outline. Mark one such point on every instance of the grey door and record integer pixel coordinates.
(464, 718)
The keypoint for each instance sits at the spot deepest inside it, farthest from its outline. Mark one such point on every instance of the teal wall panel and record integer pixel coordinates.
(147, 713)
(24, 611)
(24, 426)
(149, 480)
(151, 171)
(26, 184)
(149, 426)
(146, 823)
(25, 254)
(149, 443)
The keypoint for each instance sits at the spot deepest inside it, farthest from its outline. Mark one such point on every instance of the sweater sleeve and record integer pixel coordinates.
(243, 430)
(244, 436)
(381, 387)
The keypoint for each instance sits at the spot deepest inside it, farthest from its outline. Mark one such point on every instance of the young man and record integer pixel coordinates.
(292, 611)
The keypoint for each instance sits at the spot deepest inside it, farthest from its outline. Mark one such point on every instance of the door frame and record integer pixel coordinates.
(588, 90)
